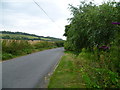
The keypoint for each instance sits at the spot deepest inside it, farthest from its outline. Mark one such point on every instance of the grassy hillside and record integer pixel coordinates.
(25, 36)
(18, 35)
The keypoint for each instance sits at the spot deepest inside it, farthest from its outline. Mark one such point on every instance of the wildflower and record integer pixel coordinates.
(104, 48)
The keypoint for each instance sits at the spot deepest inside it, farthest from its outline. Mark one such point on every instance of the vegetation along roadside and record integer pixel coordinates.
(15, 48)
(92, 56)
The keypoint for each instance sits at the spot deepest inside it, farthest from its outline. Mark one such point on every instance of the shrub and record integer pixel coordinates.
(6, 56)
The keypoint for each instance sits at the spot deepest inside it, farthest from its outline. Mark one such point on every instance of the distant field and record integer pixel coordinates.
(22, 36)
(45, 38)
(17, 35)
(25, 36)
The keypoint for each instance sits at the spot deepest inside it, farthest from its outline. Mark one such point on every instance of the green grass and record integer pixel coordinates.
(85, 71)
(66, 75)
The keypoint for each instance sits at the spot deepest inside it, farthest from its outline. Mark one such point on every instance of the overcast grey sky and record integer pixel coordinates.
(26, 16)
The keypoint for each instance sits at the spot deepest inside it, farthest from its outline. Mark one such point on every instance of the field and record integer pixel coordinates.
(14, 35)
(22, 36)
(25, 36)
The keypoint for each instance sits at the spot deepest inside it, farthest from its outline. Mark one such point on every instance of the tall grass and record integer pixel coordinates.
(102, 73)
(44, 44)
(14, 48)
(85, 70)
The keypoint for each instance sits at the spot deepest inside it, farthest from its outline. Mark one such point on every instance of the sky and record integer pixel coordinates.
(26, 16)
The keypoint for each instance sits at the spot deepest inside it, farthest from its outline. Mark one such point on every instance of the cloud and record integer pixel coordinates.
(26, 16)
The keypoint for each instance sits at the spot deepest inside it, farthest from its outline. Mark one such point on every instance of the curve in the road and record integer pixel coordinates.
(27, 71)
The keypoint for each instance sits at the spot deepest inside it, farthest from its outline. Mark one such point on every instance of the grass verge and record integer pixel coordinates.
(84, 71)
(66, 74)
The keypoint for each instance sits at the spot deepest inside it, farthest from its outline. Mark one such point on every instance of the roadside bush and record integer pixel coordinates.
(13, 48)
(44, 44)
(59, 43)
(6, 56)
(102, 73)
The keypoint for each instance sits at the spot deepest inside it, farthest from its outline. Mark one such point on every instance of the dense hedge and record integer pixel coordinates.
(92, 35)
(91, 25)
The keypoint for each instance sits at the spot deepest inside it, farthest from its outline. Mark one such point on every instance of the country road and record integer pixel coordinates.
(28, 71)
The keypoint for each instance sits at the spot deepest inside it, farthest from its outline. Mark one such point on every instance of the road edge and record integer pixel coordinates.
(46, 78)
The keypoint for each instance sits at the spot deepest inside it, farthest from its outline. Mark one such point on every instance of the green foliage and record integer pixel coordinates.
(86, 71)
(91, 25)
(14, 48)
(59, 43)
(6, 56)
(103, 73)
(44, 44)
(90, 28)
(66, 74)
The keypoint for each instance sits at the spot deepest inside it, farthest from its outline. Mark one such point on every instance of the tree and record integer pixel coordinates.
(91, 25)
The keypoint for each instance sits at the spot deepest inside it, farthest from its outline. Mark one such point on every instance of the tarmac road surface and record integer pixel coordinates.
(28, 71)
